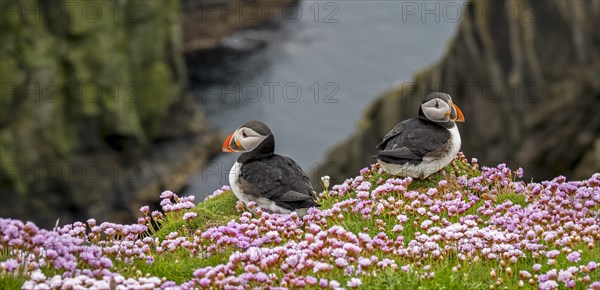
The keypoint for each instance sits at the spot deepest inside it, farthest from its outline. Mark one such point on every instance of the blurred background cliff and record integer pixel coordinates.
(104, 104)
(526, 74)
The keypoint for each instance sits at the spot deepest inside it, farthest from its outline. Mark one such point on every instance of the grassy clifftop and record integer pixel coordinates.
(463, 227)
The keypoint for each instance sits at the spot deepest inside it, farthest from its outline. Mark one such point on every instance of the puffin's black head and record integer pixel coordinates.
(438, 107)
(252, 136)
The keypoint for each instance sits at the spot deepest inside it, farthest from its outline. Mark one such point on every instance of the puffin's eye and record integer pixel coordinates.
(437, 105)
(244, 134)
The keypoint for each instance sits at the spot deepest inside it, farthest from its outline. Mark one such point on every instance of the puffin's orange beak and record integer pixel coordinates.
(231, 144)
(459, 114)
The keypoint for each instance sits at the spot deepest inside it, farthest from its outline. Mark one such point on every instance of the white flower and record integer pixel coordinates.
(325, 180)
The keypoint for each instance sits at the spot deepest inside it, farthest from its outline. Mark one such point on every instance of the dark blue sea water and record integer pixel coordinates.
(315, 74)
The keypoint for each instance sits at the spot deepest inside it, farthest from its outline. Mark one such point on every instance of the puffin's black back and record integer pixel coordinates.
(411, 140)
(279, 179)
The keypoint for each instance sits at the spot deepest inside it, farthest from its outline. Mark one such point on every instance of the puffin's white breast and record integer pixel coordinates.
(433, 165)
(234, 174)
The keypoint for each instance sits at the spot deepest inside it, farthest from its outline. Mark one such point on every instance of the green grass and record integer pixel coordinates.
(179, 265)
(472, 275)
(429, 182)
(213, 212)
(450, 172)
(10, 282)
(517, 199)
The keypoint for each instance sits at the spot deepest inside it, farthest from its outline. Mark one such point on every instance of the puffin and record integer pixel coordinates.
(421, 146)
(273, 182)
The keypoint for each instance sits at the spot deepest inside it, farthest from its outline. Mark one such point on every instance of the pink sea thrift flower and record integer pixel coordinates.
(548, 285)
(354, 283)
(574, 257)
(189, 216)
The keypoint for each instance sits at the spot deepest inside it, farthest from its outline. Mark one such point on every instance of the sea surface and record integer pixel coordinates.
(312, 76)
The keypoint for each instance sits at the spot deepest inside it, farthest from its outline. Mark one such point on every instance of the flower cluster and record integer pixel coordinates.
(180, 203)
(116, 281)
(218, 192)
(525, 235)
(66, 249)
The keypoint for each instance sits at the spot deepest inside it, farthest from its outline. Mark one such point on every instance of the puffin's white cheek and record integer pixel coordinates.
(439, 114)
(247, 144)
(434, 114)
(251, 142)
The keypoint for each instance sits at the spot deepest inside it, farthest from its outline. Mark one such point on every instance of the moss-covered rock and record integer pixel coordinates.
(88, 90)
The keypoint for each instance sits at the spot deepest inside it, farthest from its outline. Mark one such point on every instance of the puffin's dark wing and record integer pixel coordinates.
(399, 155)
(398, 129)
(279, 179)
(417, 139)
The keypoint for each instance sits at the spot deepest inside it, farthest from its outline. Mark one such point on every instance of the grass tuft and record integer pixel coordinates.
(213, 212)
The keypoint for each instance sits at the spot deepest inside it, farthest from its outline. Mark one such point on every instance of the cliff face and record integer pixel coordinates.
(94, 119)
(207, 22)
(527, 78)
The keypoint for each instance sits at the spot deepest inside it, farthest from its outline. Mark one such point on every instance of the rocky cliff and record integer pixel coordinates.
(94, 118)
(527, 76)
(207, 22)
